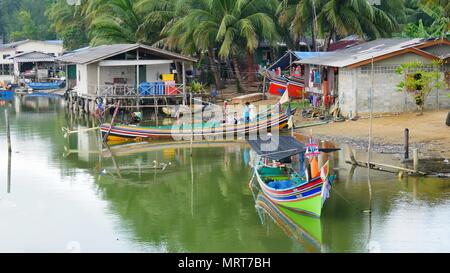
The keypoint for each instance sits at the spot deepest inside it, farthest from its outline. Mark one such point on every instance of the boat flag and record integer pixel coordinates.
(326, 188)
(285, 98)
(291, 122)
(325, 171)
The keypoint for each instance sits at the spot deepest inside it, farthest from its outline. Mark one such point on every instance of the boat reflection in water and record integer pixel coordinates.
(302, 228)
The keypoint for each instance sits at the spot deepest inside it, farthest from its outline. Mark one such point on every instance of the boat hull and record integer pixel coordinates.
(135, 133)
(307, 198)
(297, 225)
(45, 86)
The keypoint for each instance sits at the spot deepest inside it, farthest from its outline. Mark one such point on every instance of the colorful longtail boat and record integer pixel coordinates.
(120, 133)
(283, 185)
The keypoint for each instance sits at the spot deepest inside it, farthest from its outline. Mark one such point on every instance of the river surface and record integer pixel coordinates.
(64, 196)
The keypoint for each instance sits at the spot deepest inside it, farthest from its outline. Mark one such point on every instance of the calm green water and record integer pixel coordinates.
(85, 202)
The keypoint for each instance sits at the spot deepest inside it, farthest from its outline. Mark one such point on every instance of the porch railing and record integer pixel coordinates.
(143, 90)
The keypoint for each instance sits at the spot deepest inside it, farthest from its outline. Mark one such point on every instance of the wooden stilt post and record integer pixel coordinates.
(406, 143)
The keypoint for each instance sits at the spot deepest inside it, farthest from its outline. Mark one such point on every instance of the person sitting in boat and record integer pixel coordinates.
(136, 118)
(247, 112)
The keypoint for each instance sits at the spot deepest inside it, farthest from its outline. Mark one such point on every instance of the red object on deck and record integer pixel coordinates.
(277, 88)
(171, 88)
(295, 90)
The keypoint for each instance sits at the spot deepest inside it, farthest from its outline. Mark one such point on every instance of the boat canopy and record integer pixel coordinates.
(285, 147)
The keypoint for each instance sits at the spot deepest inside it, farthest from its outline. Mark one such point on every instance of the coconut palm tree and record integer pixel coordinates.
(69, 23)
(234, 26)
(345, 17)
(300, 17)
(444, 4)
(339, 17)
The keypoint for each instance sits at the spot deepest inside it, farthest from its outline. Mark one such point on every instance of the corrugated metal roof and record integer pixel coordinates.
(95, 54)
(29, 57)
(363, 52)
(13, 44)
(18, 43)
(284, 61)
(285, 147)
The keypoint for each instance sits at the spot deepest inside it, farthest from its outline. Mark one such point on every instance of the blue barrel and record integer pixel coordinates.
(160, 88)
(147, 89)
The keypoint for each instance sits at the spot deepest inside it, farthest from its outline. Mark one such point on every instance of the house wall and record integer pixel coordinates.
(108, 73)
(82, 79)
(40, 46)
(87, 75)
(5, 52)
(154, 71)
(438, 50)
(355, 85)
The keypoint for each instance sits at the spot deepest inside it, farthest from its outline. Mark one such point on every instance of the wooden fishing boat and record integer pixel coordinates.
(294, 87)
(303, 228)
(303, 193)
(6, 95)
(118, 133)
(46, 85)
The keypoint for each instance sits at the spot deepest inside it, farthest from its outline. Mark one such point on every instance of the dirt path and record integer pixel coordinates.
(428, 133)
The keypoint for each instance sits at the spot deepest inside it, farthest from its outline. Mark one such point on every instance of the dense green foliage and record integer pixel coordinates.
(220, 29)
(161, 21)
(25, 19)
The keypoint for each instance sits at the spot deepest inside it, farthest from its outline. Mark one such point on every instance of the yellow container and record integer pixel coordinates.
(168, 77)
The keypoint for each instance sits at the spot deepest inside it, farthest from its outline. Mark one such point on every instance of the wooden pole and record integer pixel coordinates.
(8, 136)
(9, 173)
(369, 152)
(184, 83)
(264, 88)
(406, 143)
(8, 133)
(112, 122)
(416, 160)
(351, 155)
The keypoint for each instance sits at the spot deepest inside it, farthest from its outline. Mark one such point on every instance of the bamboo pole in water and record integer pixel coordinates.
(369, 155)
(8, 136)
(416, 160)
(8, 133)
(9, 173)
(105, 139)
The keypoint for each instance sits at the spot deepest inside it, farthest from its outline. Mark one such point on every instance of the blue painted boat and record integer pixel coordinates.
(6, 95)
(46, 85)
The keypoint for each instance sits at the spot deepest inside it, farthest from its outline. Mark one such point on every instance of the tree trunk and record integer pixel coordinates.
(328, 40)
(214, 69)
(237, 71)
(313, 36)
(421, 108)
(179, 72)
(251, 66)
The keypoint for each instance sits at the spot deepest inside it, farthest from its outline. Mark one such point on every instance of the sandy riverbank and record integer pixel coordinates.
(428, 133)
